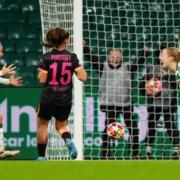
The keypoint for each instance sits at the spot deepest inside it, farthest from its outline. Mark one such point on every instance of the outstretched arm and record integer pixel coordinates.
(4, 81)
(14, 81)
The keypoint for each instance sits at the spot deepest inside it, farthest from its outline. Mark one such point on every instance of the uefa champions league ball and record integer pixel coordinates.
(153, 87)
(115, 130)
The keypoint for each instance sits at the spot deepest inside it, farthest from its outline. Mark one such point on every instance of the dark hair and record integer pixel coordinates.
(55, 37)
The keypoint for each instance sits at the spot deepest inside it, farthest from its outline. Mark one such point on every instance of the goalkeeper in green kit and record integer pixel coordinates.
(162, 103)
(170, 60)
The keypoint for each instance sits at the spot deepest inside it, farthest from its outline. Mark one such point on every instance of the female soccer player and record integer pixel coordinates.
(7, 70)
(115, 96)
(170, 59)
(163, 104)
(55, 72)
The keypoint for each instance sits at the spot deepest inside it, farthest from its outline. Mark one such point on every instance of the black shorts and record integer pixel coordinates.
(61, 113)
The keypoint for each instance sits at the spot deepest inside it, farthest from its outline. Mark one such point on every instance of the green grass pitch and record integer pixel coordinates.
(90, 170)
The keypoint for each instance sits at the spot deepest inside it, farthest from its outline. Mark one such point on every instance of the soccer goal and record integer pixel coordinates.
(126, 25)
(129, 25)
(66, 14)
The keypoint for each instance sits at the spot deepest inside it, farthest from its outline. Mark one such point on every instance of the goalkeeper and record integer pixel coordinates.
(163, 103)
(115, 95)
(170, 60)
(11, 81)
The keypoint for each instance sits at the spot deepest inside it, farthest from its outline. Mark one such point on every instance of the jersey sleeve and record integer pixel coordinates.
(76, 64)
(43, 65)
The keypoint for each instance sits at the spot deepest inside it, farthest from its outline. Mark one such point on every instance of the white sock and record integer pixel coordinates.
(1, 139)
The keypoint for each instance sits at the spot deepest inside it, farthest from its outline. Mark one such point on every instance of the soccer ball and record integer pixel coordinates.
(153, 87)
(115, 130)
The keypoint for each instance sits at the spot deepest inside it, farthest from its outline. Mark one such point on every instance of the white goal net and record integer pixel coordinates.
(128, 26)
(56, 13)
(119, 30)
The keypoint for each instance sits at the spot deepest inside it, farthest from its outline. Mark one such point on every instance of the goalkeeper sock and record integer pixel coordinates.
(41, 150)
(1, 139)
(66, 136)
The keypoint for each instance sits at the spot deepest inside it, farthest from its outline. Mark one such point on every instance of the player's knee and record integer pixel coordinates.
(42, 123)
(60, 125)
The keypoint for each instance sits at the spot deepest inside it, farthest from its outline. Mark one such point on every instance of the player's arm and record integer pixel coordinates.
(81, 73)
(4, 81)
(42, 75)
(14, 81)
(43, 72)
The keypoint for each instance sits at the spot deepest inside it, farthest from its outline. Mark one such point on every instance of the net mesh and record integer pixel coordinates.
(129, 25)
(57, 13)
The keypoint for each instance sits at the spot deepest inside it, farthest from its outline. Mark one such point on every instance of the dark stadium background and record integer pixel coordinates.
(20, 33)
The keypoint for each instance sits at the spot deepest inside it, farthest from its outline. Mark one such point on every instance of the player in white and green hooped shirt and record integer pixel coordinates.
(14, 81)
(170, 60)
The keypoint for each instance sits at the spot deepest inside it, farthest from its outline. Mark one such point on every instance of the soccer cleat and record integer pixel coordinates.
(9, 153)
(41, 158)
(148, 152)
(175, 153)
(72, 149)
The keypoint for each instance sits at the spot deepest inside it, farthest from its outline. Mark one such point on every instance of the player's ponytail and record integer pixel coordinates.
(55, 37)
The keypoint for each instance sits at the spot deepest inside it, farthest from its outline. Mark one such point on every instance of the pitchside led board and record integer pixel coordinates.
(18, 106)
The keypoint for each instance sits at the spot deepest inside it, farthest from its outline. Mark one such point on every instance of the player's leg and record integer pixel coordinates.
(61, 113)
(110, 112)
(169, 121)
(4, 153)
(64, 130)
(132, 127)
(43, 117)
(42, 137)
(1, 135)
(153, 117)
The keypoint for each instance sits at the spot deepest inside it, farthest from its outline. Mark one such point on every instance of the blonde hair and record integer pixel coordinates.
(174, 52)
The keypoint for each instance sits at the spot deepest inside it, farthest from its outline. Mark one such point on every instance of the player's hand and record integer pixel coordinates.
(8, 70)
(15, 81)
